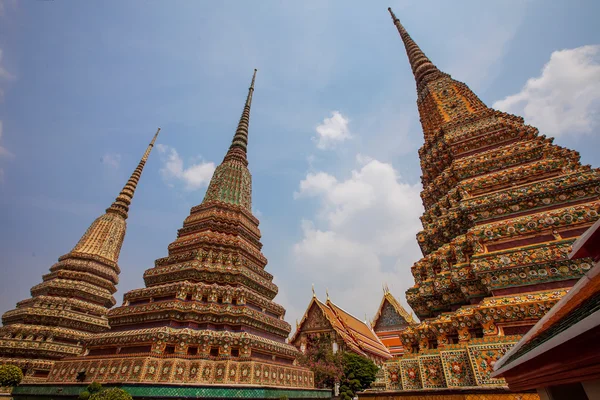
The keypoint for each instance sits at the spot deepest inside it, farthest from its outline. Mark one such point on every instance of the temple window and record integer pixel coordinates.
(170, 350)
(192, 351)
(214, 351)
(235, 352)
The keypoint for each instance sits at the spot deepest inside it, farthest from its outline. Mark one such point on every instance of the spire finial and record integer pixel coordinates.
(239, 144)
(121, 204)
(420, 64)
(327, 293)
(392, 14)
(313, 290)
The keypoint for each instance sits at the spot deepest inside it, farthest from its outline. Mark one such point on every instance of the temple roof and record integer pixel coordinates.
(388, 297)
(356, 334)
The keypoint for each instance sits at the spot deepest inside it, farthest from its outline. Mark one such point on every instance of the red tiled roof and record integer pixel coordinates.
(356, 334)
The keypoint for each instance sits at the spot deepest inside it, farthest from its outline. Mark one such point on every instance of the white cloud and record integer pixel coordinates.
(4, 74)
(112, 160)
(3, 151)
(195, 176)
(362, 236)
(332, 131)
(565, 98)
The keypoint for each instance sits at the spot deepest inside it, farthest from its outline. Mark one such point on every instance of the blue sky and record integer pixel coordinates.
(334, 130)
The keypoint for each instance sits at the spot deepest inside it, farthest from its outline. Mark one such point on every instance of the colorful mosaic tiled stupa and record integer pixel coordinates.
(390, 321)
(346, 332)
(503, 206)
(73, 300)
(206, 315)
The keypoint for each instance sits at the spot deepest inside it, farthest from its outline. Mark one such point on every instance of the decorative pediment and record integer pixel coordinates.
(315, 319)
(389, 319)
(391, 315)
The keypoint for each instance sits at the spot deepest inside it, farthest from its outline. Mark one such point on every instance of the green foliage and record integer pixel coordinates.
(10, 375)
(349, 389)
(85, 395)
(111, 394)
(354, 373)
(360, 368)
(94, 387)
(359, 372)
(321, 360)
(283, 397)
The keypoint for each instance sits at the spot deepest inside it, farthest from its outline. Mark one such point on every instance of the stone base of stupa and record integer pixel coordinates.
(176, 377)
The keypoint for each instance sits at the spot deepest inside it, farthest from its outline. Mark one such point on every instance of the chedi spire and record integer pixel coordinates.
(441, 99)
(232, 183)
(503, 206)
(73, 299)
(239, 144)
(123, 200)
(419, 63)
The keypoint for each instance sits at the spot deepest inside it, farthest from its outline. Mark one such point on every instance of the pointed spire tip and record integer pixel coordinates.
(392, 14)
(121, 204)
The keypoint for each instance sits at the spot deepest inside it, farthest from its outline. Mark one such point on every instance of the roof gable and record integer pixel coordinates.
(391, 315)
(355, 333)
(389, 319)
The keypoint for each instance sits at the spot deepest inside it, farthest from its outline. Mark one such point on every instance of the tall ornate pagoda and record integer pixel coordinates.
(206, 318)
(503, 206)
(390, 321)
(73, 300)
(345, 331)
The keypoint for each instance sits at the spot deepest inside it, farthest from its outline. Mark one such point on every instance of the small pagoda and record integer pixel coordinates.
(345, 331)
(390, 321)
(205, 325)
(503, 206)
(73, 300)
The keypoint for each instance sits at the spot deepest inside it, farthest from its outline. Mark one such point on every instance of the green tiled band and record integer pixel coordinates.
(47, 392)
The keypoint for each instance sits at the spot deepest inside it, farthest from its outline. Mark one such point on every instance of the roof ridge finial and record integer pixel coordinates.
(313, 290)
(121, 204)
(239, 144)
(327, 293)
(419, 63)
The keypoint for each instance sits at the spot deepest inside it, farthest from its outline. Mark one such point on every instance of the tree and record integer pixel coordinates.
(85, 395)
(321, 360)
(111, 394)
(359, 372)
(10, 375)
(94, 387)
